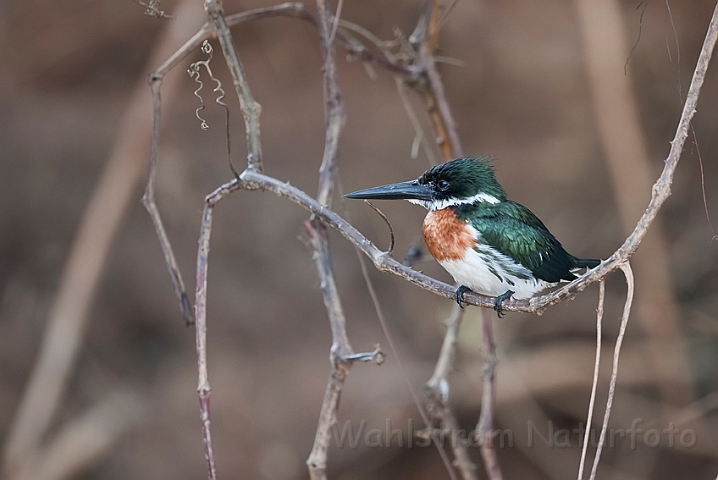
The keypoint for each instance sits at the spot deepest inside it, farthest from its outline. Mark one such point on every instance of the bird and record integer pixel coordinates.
(488, 243)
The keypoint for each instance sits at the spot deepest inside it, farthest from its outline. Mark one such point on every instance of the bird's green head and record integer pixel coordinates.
(461, 181)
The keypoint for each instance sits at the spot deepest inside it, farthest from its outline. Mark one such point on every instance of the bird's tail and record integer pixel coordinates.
(584, 262)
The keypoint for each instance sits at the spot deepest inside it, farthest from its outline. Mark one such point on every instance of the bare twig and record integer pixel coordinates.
(437, 393)
(626, 268)
(200, 309)
(333, 106)
(148, 199)
(335, 21)
(485, 427)
(424, 40)
(153, 8)
(156, 79)
(437, 386)
(250, 111)
(375, 356)
(594, 385)
(317, 233)
(340, 354)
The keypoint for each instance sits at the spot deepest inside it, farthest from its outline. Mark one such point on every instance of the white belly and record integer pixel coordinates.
(490, 272)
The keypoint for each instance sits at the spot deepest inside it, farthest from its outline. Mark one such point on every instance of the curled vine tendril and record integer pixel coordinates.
(194, 73)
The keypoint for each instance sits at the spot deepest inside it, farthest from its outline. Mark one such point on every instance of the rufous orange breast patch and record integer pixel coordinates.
(446, 237)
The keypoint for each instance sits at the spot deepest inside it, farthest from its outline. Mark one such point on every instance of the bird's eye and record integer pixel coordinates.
(442, 184)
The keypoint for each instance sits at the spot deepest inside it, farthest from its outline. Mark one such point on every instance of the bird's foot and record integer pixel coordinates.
(460, 294)
(498, 303)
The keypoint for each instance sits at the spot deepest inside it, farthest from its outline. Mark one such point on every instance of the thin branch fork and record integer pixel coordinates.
(340, 354)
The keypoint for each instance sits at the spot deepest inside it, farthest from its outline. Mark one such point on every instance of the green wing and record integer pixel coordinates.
(515, 231)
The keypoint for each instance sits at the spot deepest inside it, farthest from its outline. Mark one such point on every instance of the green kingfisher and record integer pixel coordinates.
(488, 243)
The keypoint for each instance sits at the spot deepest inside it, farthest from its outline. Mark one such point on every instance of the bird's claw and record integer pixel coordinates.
(498, 303)
(460, 294)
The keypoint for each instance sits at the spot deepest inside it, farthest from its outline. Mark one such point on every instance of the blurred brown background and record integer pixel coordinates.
(524, 94)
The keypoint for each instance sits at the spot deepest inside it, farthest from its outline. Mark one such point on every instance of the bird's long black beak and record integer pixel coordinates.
(411, 190)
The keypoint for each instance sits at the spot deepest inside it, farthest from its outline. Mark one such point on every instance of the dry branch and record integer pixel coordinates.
(200, 309)
(437, 393)
(250, 112)
(660, 192)
(316, 233)
(340, 351)
(424, 40)
(485, 427)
